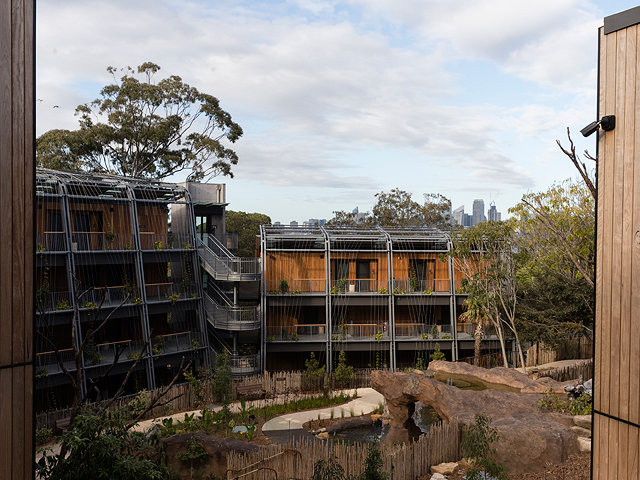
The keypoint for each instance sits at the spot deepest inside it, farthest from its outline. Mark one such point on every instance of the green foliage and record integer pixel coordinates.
(140, 128)
(582, 405)
(434, 331)
(157, 245)
(284, 285)
(173, 298)
(270, 338)
(313, 375)
(373, 465)
(158, 345)
(223, 378)
(42, 435)
(194, 452)
(89, 305)
(251, 430)
(383, 291)
(342, 285)
(414, 283)
(343, 372)
(247, 226)
(420, 362)
(477, 441)
(437, 353)
(329, 470)
(101, 446)
(63, 305)
(139, 402)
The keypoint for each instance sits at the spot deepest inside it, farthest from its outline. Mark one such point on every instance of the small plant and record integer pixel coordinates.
(342, 413)
(42, 372)
(139, 402)
(332, 414)
(342, 284)
(296, 292)
(90, 305)
(194, 295)
(398, 291)
(195, 451)
(428, 292)
(477, 441)
(437, 354)
(383, 291)
(434, 331)
(109, 235)
(294, 337)
(157, 245)
(420, 362)
(424, 336)
(446, 336)
(284, 285)
(63, 305)
(251, 430)
(40, 248)
(207, 419)
(195, 344)
(414, 283)
(169, 427)
(378, 335)
(137, 301)
(126, 246)
(334, 290)
(158, 345)
(373, 465)
(351, 412)
(343, 373)
(284, 333)
(133, 356)
(187, 246)
(335, 337)
(173, 298)
(270, 338)
(42, 435)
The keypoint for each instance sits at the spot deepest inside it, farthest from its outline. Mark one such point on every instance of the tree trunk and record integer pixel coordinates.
(477, 350)
(501, 338)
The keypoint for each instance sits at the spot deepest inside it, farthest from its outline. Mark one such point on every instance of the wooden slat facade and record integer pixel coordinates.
(616, 429)
(16, 238)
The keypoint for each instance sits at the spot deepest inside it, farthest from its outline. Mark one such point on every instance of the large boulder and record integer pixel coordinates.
(500, 376)
(530, 437)
(217, 448)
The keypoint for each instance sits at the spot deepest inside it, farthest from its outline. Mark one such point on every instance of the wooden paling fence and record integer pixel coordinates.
(295, 460)
(582, 370)
(539, 354)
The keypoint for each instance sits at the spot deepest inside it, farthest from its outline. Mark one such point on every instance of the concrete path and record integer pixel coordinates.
(289, 426)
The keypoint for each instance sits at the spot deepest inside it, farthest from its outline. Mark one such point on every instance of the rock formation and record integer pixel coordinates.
(507, 377)
(529, 436)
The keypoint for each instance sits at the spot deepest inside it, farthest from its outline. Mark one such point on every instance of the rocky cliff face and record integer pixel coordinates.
(529, 436)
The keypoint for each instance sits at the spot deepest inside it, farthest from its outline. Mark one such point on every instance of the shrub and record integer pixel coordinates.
(343, 373)
(437, 353)
(139, 402)
(42, 435)
(477, 443)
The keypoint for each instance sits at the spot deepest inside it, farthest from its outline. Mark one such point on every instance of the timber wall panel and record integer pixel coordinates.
(16, 238)
(617, 349)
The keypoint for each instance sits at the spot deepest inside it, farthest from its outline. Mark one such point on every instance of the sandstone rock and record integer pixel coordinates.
(581, 432)
(438, 476)
(418, 372)
(375, 417)
(349, 423)
(445, 468)
(530, 437)
(583, 421)
(508, 377)
(386, 421)
(323, 436)
(217, 448)
(584, 444)
(465, 463)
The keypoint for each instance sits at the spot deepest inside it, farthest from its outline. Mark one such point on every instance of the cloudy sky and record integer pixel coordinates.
(340, 100)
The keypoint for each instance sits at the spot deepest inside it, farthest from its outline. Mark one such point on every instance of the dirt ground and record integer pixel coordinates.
(577, 467)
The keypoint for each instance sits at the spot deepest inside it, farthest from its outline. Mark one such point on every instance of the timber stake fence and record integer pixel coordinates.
(295, 460)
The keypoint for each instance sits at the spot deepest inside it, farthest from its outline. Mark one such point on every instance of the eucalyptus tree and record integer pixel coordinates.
(140, 128)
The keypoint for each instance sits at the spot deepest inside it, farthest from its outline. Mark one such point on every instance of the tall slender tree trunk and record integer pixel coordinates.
(500, 333)
(477, 350)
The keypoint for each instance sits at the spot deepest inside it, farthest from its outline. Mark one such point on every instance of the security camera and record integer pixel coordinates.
(607, 123)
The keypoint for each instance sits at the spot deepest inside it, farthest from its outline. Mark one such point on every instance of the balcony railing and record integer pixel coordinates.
(360, 331)
(47, 363)
(420, 331)
(296, 333)
(360, 285)
(245, 364)
(165, 241)
(297, 285)
(228, 268)
(54, 301)
(112, 296)
(169, 291)
(50, 242)
(105, 353)
(467, 331)
(232, 317)
(409, 286)
(97, 241)
(176, 342)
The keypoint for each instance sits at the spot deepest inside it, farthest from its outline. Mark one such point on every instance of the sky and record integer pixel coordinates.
(340, 100)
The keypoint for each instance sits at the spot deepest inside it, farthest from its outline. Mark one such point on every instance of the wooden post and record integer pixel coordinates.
(616, 419)
(17, 251)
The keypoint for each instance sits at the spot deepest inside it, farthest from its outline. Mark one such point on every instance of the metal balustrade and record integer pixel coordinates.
(360, 331)
(415, 286)
(53, 301)
(245, 364)
(296, 333)
(47, 362)
(231, 317)
(169, 292)
(421, 331)
(101, 241)
(176, 342)
(297, 285)
(223, 267)
(165, 241)
(358, 285)
(51, 242)
(108, 297)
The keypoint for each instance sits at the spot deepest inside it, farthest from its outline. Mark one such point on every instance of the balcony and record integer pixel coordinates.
(162, 241)
(232, 317)
(228, 268)
(53, 301)
(176, 342)
(360, 332)
(105, 353)
(101, 241)
(420, 331)
(51, 242)
(109, 297)
(420, 287)
(297, 333)
(169, 292)
(246, 364)
(466, 331)
(47, 363)
(297, 286)
(361, 285)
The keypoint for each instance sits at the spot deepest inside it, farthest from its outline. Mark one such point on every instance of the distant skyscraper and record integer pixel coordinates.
(458, 215)
(494, 214)
(293, 223)
(478, 212)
